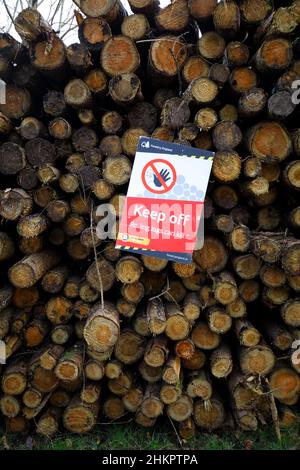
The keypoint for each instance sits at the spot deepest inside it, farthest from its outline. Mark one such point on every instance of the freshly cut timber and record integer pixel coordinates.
(269, 140)
(95, 8)
(102, 328)
(79, 416)
(119, 55)
(91, 333)
(166, 55)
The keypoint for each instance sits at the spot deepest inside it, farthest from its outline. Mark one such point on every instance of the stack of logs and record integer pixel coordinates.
(91, 333)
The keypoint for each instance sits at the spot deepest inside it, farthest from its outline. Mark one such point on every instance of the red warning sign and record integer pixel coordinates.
(159, 176)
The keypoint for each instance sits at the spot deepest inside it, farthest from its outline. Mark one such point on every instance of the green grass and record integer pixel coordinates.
(131, 437)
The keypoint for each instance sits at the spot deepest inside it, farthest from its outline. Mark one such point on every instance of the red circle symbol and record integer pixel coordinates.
(165, 185)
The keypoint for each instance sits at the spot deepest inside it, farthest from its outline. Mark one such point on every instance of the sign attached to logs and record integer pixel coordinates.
(163, 209)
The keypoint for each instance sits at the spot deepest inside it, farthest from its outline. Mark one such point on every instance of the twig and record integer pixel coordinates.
(68, 31)
(55, 11)
(96, 261)
(175, 430)
(163, 292)
(8, 11)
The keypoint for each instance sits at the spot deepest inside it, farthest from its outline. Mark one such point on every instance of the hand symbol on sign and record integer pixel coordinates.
(164, 175)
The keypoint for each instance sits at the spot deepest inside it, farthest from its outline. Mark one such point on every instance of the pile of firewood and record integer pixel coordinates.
(92, 333)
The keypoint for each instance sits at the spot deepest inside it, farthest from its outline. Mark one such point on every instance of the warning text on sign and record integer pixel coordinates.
(164, 204)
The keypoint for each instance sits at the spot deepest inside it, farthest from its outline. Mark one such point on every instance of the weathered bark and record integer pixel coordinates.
(246, 333)
(177, 325)
(274, 55)
(221, 361)
(53, 62)
(226, 18)
(102, 328)
(129, 347)
(89, 316)
(54, 103)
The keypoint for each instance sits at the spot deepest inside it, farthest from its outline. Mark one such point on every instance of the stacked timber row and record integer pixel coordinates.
(92, 333)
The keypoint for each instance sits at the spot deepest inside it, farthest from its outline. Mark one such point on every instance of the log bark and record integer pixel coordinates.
(209, 417)
(199, 385)
(50, 58)
(211, 46)
(80, 417)
(246, 333)
(212, 257)
(17, 103)
(70, 364)
(203, 337)
(166, 56)
(27, 272)
(256, 360)
(153, 335)
(129, 347)
(78, 58)
(114, 63)
(226, 18)
(177, 325)
(94, 370)
(136, 26)
(221, 362)
(48, 423)
(274, 55)
(102, 328)
(181, 409)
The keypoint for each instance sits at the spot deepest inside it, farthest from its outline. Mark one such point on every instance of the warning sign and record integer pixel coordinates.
(165, 199)
(159, 176)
